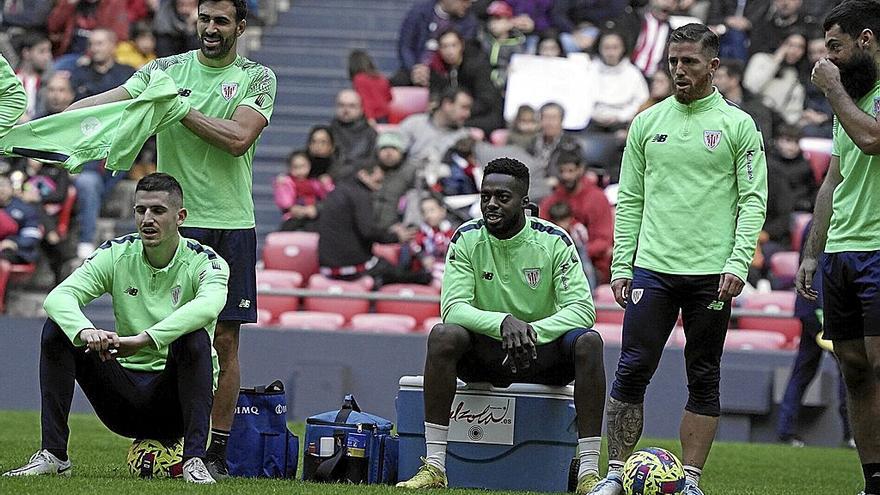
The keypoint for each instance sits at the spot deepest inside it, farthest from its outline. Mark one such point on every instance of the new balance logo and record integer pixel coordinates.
(716, 305)
(244, 303)
(131, 291)
(488, 275)
(184, 92)
(659, 138)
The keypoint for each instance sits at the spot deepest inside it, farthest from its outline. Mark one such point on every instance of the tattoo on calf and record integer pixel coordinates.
(625, 423)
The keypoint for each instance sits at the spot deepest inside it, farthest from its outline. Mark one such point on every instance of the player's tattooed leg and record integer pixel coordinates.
(625, 423)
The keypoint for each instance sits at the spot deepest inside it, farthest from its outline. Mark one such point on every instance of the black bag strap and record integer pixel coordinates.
(272, 388)
(348, 405)
(329, 468)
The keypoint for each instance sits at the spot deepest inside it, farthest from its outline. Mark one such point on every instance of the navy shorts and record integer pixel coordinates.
(851, 294)
(239, 248)
(655, 300)
(554, 366)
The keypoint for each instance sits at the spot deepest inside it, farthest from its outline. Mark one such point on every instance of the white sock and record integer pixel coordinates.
(588, 453)
(615, 467)
(693, 474)
(435, 441)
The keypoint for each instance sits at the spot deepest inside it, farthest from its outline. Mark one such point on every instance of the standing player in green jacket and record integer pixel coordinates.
(516, 307)
(13, 100)
(151, 377)
(846, 220)
(211, 153)
(693, 193)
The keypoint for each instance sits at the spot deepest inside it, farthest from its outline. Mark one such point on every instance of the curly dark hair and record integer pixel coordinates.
(854, 16)
(512, 167)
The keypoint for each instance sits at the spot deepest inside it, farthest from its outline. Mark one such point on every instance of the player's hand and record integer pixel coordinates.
(620, 287)
(129, 346)
(729, 286)
(826, 75)
(519, 340)
(102, 342)
(803, 281)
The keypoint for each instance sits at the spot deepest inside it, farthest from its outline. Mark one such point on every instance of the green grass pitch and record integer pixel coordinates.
(99, 467)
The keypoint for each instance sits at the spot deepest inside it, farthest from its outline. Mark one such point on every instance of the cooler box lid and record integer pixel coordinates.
(517, 389)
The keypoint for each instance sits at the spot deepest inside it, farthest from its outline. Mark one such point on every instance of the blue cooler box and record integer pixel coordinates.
(522, 437)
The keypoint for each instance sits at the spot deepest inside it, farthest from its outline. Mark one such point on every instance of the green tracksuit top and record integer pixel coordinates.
(535, 276)
(693, 190)
(167, 303)
(13, 99)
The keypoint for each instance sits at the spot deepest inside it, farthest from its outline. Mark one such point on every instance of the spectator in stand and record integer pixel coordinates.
(532, 18)
(297, 195)
(817, 118)
(501, 40)
(46, 188)
(417, 41)
(71, 23)
(561, 215)
(353, 135)
(400, 177)
(463, 173)
(524, 127)
(428, 248)
(659, 89)
(30, 15)
(99, 72)
(728, 79)
(57, 94)
(140, 10)
(141, 49)
(324, 155)
(347, 231)
(456, 65)
(777, 77)
(589, 206)
(653, 34)
(581, 20)
(732, 20)
(550, 45)
(373, 88)
(34, 67)
(175, 27)
(779, 20)
(787, 160)
(429, 135)
(546, 148)
(20, 232)
(93, 184)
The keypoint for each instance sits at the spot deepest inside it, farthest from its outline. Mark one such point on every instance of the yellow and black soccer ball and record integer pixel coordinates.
(653, 471)
(149, 458)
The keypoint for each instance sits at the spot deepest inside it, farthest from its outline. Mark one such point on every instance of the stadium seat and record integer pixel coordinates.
(499, 137)
(799, 221)
(818, 152)
(264, 317)
(311, 320)
(66, 212)
(294, 251)
(784, 267)
(383, 323)
(345, 307)
(278, 279)
(771, 302)
(759, 340)
(405, 101)
(603, 295)
(612, 333)
(429, 323)
(418, 310)
(390, 252)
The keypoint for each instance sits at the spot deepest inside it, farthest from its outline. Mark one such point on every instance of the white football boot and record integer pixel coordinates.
(194, 471)
(43, 462)
(610, 485)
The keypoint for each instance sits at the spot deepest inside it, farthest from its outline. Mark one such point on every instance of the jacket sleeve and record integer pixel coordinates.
(457, 294)
(13, 99)
(59, 17)
(88, 282)
(365, 221)
(139, 81)
(284, 191)
(572, 295)
(630, 204)
(751, 205)
(211, 278)
(408, 50)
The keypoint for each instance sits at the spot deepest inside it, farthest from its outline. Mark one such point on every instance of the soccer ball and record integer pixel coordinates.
(653, 471)
(148, 458)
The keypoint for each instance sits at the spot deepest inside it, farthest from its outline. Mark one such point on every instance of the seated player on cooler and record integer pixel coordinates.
(516, 307)
(151, 377)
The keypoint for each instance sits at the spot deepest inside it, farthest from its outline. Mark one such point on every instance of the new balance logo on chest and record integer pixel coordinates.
(660, 138)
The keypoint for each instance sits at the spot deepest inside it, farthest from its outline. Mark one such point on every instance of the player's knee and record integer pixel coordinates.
(52, 336)
(588, 348)
(194, 343)
(704, 396)
(447, 341)
(856, 369)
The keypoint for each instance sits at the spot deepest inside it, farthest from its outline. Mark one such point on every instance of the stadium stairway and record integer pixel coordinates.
(308, 50)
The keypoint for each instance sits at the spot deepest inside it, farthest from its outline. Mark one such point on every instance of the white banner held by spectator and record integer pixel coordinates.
(534, 80)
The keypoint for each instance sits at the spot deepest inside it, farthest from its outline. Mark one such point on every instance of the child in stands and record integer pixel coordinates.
(297, 195)
(373, 88)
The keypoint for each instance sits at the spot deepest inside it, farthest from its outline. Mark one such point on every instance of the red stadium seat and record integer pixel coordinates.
(278, 279)
(66, 212)
(771, 302)
(418, 310)
(346, 307)
(612, 333)
(405, 101)
(264, 317)
(294, 251)
(499, 137)
(383, 323)
(784, 267)
(758, 340)
(390, 252)
(605, 296)
(429, 323)
(312, 320)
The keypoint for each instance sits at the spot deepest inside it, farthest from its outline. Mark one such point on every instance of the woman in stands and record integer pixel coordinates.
(373, 88)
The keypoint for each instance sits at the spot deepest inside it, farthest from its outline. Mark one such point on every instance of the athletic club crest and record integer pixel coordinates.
(229, 90)
(533, 277)
(637, 295)
(711, 139)
(175, 295)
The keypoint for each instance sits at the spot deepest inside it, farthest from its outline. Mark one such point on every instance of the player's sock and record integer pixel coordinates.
(219, 439)
(588, 454)
(693, 474)
(435, 441)
(615, 467)
(60, 454)
(872, 478)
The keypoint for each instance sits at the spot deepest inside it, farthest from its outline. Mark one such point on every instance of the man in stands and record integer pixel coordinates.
(33, 68)
(589, 206)
(546, 147)
(351, 131)
(152, 376)
(102, 73)
(728, 79)
(57, 94)
(516, 307)
(429, 135)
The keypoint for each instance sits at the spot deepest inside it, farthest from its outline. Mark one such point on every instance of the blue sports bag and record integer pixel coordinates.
(260, 445)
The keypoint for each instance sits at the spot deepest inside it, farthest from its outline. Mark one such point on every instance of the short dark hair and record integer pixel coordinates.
(734, 68)
(697, 33)
(511, 167)
(318, 128)
(570, 156)
(451, 94)
(241, 8)
(853, 16)
(552, 104)
(160, 181)
(368, 166)
(295, 153)
(31, 39)
(559, 211)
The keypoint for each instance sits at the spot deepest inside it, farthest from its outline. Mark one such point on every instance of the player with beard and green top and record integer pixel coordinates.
(846, 219)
